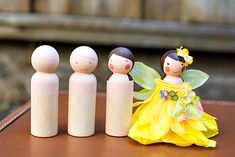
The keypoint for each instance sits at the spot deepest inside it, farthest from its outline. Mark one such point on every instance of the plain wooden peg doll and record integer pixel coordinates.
(119, 92)
(44, 92)
(82, 92)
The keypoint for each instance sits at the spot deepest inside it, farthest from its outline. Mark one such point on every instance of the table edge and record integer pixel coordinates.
(9, 119)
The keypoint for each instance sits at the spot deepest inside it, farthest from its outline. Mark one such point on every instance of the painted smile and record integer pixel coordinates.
(83, 69)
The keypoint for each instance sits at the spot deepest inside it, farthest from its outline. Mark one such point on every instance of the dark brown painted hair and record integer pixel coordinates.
(172, 54)
(126, 53)
(123, 52)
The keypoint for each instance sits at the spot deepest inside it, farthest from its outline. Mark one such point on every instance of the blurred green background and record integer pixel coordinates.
(147, 27)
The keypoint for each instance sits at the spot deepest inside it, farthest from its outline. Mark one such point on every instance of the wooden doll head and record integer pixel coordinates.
(121, 60)
(172, 64)
(45, 59)
(83, 59)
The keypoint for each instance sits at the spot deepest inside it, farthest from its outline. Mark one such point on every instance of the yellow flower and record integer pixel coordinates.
(183, 52)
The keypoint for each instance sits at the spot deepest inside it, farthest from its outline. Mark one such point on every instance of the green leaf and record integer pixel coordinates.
(192, 111)
(195, 78)
(143, 94)
(144, 76)
(179, 110)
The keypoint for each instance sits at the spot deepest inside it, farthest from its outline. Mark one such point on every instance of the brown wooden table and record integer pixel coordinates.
(16, 140)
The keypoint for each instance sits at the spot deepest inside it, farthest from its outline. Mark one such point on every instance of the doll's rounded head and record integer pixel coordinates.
(83, 59)
(45, 59)
(121, 60)
(172, 64)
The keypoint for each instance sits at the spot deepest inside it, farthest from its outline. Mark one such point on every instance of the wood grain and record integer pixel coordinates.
(163, 10)
(208, 11)
(14, 5)
(51, 6)
(107, 8)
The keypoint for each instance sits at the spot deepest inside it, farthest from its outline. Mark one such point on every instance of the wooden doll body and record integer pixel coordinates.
(119, 97)
(119, 105)
(44, 92)
(44, 104)
(82, 100)
(82, 92)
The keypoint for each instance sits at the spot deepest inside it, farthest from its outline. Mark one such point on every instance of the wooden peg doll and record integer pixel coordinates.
(82, 92)
(119, 92)
(44, 92)
(169, 110)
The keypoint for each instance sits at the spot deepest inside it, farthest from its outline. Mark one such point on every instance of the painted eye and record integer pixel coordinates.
(126, 60)
(111, 60)
(90, 62)
(182, 64)
(76, 62)
(168, 63)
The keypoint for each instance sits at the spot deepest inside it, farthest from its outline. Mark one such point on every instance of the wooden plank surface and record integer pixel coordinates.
(208, 11)
(163, 10)
(16, 140)
(106, 31)
(108, 8)
(50, 6)
(15, 5)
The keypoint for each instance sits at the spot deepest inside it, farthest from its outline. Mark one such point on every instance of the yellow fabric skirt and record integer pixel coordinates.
(152, 122)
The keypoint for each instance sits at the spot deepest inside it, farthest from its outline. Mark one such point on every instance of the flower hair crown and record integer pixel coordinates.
(183, 52)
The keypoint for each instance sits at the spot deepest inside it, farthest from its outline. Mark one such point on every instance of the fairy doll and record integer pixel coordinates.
(170, 111)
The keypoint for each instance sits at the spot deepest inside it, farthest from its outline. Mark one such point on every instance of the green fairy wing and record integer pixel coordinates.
(195, 78)
(142, 94)
(144, 76)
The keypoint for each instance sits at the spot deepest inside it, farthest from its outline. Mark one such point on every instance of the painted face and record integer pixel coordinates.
(83, 60)
(172, 67)
(118, 64)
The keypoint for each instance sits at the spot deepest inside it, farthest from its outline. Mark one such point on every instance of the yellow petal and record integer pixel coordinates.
(137, 103)
(185, 51)
(178, 127)
(210, 133)
(197, 125)
(197, 137)
(208, 121)
(161, 122)
(173, 138)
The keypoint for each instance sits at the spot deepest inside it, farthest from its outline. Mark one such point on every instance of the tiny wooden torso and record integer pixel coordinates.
(119, 105)
(82, 100)
(44, 104)
(173, 80)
